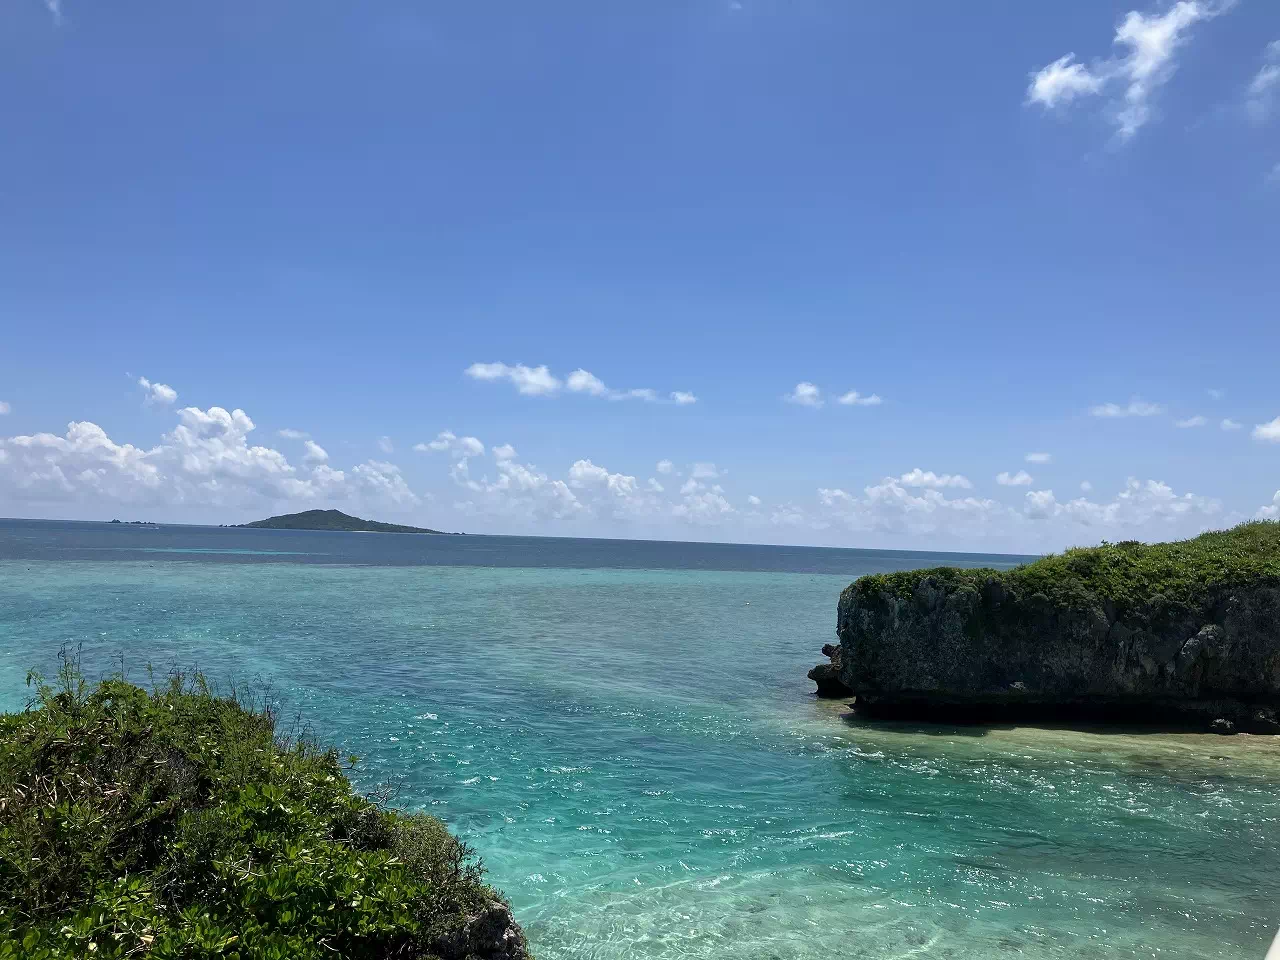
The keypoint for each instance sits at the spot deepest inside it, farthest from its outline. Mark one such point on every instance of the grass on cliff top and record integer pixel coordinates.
(177, 823)
(1126, 574)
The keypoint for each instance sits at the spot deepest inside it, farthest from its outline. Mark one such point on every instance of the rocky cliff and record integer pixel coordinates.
(1166, 633)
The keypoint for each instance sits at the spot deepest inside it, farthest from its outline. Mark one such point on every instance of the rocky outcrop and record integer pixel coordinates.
(490, 934)
(827, 675)
(948, 646)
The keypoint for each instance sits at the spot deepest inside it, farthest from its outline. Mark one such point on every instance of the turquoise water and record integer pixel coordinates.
(637, 756)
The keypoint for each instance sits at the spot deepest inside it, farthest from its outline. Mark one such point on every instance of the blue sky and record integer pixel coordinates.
(340, 219)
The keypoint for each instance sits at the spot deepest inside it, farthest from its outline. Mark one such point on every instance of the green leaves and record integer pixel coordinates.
(174, 824)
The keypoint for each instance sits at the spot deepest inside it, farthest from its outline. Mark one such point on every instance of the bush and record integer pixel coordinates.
(1126, 575)
(177, 823)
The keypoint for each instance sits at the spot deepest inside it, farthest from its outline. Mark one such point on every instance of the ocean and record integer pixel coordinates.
(624, 732)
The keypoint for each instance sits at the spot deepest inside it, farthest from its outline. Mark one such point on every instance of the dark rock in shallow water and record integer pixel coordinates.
(980, 646)
(827, 675)
(491, 934)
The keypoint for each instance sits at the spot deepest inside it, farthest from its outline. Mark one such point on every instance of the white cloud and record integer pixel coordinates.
(580, 381)
(1229, 424)
(753, 500)
(315, 453)
(1147, 60)
(540, 382)
(704, 471)
(891, 506)
(1271, 511)
(504, 452)
(927, 478)
(855, 399)
(665, 466)
(1269, 431)
(385, 445)
(160, 393)
(447, 441)
(55, 10)
(206, 460)
(1019, 479)
(290, 434)
(1135, 408)
(1062, 81)
(1086, 486)
(655, 486)
(1215, 393)
(1137, 504)
(1196, 421)
(531, 381)
(1039, 457)
(805, 394)
(1261, 93)
(4, 408)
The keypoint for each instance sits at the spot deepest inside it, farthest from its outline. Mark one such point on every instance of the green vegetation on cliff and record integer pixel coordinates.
(1126, 574)
(332, 520)
(179, 824)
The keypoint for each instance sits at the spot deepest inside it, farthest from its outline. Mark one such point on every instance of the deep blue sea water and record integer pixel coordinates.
(624, 731)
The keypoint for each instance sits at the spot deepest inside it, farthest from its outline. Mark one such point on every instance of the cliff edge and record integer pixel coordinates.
(1169, 633)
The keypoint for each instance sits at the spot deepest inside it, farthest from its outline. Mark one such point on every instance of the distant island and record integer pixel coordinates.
(332, 520)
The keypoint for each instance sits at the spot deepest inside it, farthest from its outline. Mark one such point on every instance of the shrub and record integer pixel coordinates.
(1126, 575)
(177, 823)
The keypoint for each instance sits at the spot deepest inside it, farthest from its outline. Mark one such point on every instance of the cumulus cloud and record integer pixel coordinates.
(753, 500)
(531, 381)
(655, 486)
(504, 451)
(1019, 479)
(289, 433)
(540, 382)
(447, 441)
(805, 394)
(1229, 424)
(1261, 93)
(704, 471)
(206, 460)
(1269, 431)
(315, 453)
(385, 445)
(160, 393)
(1139, 503)
(665, 466)
(580, 381)
(1086, 486)
(1271, 511)
(1134, 408)
(895, 506)
(1196, 421)
(1038, 457)
(1062, 81)
(1148, 44)
(854, 399)
(937, 481)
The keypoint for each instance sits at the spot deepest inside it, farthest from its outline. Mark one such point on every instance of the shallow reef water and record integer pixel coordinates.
(627, 738)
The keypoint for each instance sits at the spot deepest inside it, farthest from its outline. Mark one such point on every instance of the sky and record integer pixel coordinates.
(980, 276)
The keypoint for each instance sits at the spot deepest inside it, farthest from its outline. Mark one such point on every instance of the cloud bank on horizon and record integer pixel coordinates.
(206, 466)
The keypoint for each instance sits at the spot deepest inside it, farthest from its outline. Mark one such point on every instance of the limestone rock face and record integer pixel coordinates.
(491, 934)
(827, 675)
(978, 649)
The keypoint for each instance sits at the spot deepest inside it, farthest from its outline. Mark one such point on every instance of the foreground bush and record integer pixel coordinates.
(176, 823)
